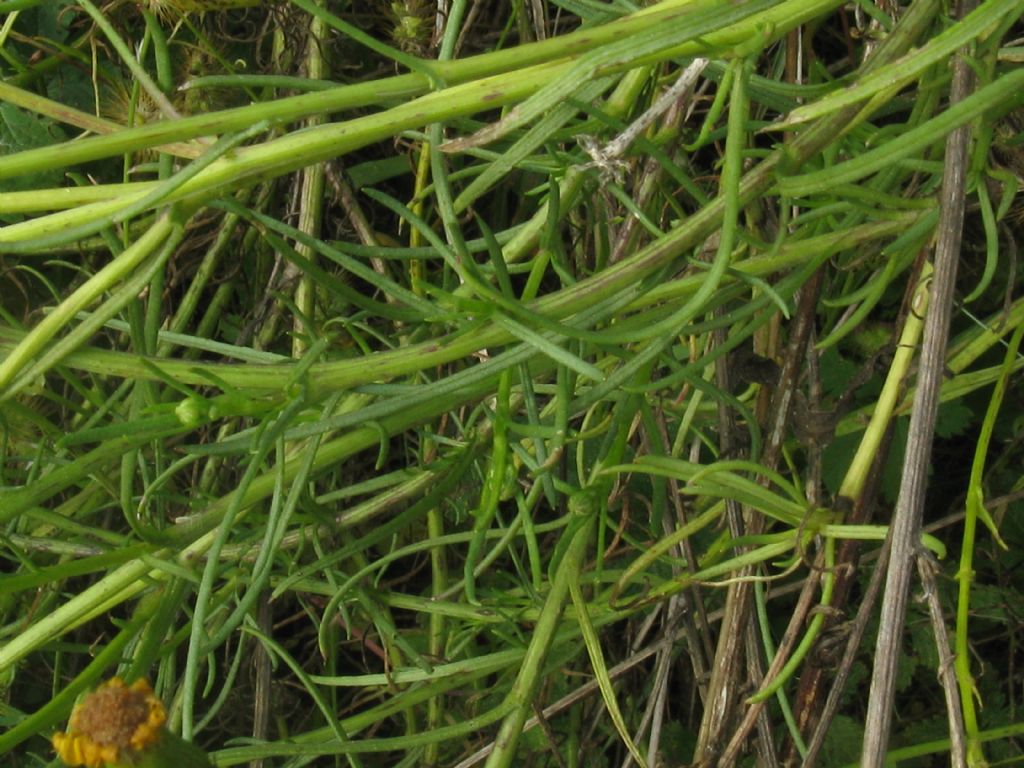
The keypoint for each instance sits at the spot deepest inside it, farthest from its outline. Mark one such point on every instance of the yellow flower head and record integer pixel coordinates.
(111, 725)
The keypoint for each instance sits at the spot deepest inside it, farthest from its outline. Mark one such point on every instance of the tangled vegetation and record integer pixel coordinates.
(414, 383)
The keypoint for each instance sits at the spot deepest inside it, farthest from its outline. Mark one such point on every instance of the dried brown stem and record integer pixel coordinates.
(926, 569)
(906, 524)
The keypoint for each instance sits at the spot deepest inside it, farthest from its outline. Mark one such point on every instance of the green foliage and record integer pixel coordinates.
(836, 373)
(393, 384)
(842, 745)
(954, 419)
(19, 131)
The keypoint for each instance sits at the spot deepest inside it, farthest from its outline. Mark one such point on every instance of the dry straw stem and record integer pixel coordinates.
(906, 523)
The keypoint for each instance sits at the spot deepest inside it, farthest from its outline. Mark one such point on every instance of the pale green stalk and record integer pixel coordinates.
(38, 200)
(311, 200)
(885, 405)
(35, 342)
(308, 147)
(557, 52)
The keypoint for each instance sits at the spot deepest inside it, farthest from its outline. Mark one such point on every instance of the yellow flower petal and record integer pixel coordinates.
(111, 725)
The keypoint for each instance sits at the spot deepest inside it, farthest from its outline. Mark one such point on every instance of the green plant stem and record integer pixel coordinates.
(540, 63)
(885, 83)
(117, 270)
(138, 72)
(998, 97)
(521, 698)
(344, 374)
(593, 643)
(196, 535)
(303, 677)
(975, 510)
(807, 641)
(906, 349)
(34, 102)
